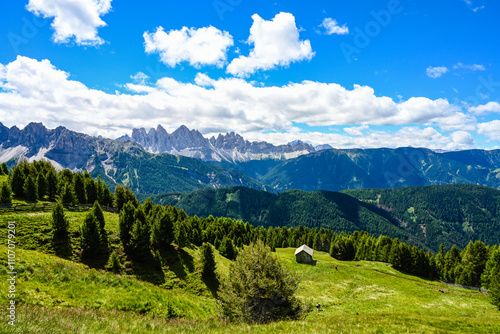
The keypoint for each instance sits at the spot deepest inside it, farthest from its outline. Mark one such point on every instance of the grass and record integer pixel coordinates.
(60, 296)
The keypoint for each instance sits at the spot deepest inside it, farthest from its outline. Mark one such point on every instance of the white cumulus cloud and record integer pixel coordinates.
(436, 72)
(76, 20)
(485, 108)
(276, 43)
(490, 129)
(332, 27)
(202, 46)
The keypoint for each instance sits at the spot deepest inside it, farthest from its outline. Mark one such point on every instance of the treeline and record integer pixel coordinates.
(40, 181)
(476, 265)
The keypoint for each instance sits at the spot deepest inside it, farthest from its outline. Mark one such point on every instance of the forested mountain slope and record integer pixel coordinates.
(431, 215)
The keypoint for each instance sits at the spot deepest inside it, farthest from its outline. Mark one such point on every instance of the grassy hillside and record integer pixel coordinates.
(58, 296)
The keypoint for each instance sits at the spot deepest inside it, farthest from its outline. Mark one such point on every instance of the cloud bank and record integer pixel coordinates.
(37, 91)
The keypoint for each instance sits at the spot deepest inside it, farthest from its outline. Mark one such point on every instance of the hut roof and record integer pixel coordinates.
(304, 248)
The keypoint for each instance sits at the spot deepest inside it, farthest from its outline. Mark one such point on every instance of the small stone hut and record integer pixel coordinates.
(304, 254)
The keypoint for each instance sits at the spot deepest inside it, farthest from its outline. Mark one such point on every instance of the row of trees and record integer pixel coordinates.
(39, 180)
(476, 265)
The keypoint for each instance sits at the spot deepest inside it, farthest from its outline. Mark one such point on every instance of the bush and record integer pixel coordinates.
(114, 264)
(259, 289)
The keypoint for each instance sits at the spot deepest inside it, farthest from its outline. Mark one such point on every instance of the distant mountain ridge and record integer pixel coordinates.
(230, 160)
(230, 147)
(118, 162)
(337, 169)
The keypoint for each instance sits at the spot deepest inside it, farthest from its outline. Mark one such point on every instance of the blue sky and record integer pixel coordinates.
(347, 73)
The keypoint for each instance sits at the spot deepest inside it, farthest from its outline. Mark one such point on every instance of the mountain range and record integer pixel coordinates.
(230, 147)
(230, 160)
(118, 162)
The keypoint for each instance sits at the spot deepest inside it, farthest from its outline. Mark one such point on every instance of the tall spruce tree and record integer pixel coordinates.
(125, 223)
(41, 182)
(5, 169)
(91, 241)
(5, 193)
(208, 265)
(60, 223)
(79, 186)
(99, 215)
(226, 248)
(162, 229)
(30, 191)
(17, 181)
(52, 183)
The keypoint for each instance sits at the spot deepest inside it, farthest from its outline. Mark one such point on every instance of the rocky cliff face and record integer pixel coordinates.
(230, 147)
(65, 148)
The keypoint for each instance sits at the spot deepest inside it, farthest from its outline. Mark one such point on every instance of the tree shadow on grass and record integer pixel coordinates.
(213, 284)
(178, 261)
(62, 246)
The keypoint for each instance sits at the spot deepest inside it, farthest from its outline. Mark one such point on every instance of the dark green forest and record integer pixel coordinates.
(425, 216)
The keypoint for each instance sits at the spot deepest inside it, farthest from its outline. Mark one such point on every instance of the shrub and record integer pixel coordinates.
(259, 289)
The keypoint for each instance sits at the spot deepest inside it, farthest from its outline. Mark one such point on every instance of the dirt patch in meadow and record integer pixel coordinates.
(32, 214)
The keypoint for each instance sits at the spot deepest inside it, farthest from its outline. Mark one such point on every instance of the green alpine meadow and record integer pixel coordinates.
(119, 265)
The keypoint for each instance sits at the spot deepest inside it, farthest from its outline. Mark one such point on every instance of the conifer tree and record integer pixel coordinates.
(494, 288)
(181, 234)
(60, 223)
(90, 191)
(114, 264)
(140, 235)
(17, 181)
(52, 183)
(162, 230)
(41, 183)
(5, 169)
(68, 194)
(492, 268)
(29, 189)
(99, 216)
(207, 261)
(5, 193)
(227, 248)
(90, 237)
(79, 186)
(259, 288)
(126, 221)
